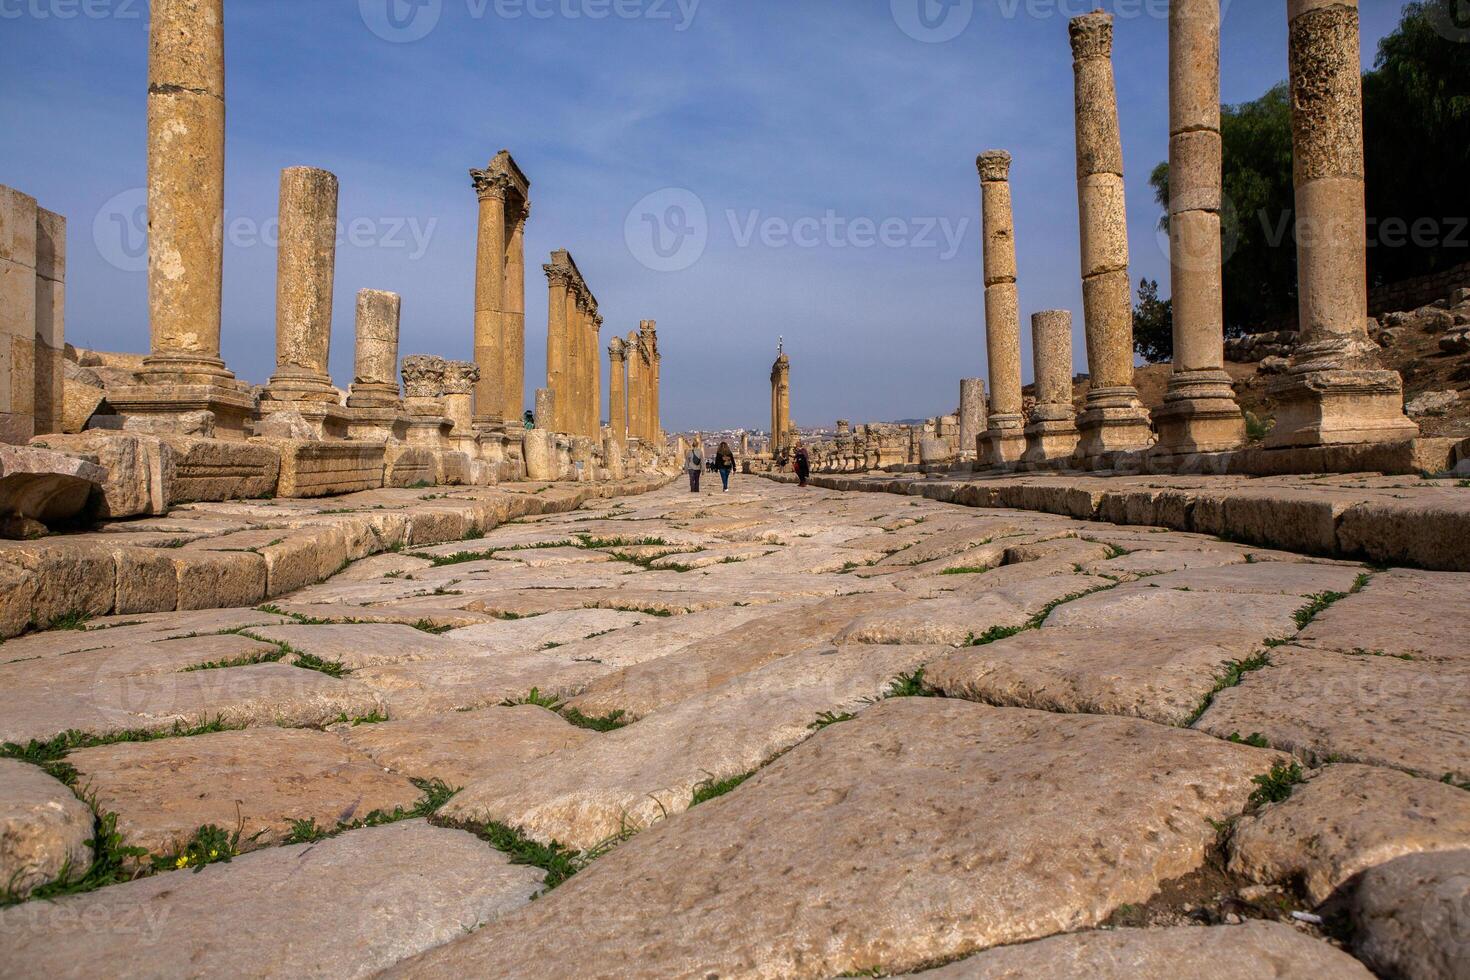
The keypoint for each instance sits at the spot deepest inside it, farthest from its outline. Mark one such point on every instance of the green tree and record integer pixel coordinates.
(1153, 324)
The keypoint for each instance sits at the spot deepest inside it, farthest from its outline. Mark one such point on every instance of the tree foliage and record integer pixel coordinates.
(1416, 119)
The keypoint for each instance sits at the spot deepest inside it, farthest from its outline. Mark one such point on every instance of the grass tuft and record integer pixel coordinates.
(1276, 785)
(1317, 604)
(1235, 671)
(830, 718)
(712, 788)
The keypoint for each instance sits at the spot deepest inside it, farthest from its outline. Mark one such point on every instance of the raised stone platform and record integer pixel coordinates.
(1400, 520)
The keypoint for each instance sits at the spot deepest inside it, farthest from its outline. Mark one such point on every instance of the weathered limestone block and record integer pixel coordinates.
(327, 468)
(17, 316)
(453, 468)
(957, 870)
(1409, 916)
(163, 791)
(69, 578)
(17, 596)
(141, 470)
(311, 910)
(1345, 820)
(82, 394)
(541, 463)
(44, 829)
(409, 466)
(375, 384)
(218, 579)
(1402, 613)
(217, 469)
(306, 262)
(1245, 952)
(37, 485)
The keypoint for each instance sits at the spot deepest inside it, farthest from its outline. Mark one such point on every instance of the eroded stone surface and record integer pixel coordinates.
(1346, 819)
(44, 830)
(1409, 916)
(257, 780)
(346, 907)
(926, 828)
(1245, 952)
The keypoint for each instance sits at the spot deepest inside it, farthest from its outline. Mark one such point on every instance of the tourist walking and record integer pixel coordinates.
(802, 463)
(724, 465)
(694, 463)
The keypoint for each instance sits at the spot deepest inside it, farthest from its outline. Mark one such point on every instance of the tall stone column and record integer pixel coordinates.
(490, 256)
(635, 386)
(1113, 419)
(513, 375)
(617, 408)
(781, 434)
(50, 334)
(306, 261)
(972, 415)
(1004, 441)
(186, 191)
(18, 226)
(1335, 389)
(1199, 414)
(596, 338)
(576, 364)
(658, 425)
(375, 382)
(1051, 434)
(556, 346)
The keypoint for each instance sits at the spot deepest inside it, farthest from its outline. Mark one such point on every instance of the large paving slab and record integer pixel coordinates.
(957, 620)
(462, 746)
(428, 687)
(1337, 707)
(1401, 613)
(924, 829)
(346, 907)
(1346, 819)
(636, 776)
(1140, 607)
(1250, 951)
(1409, 916)
(363, 645)
(542, 632)
(1165, 677)
(44, 830)
(256, 781)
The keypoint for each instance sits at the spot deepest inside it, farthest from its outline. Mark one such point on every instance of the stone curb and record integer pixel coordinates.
(99, 575)
(1425, 530)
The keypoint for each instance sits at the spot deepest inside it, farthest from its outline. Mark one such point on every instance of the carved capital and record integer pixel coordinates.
(423, 376)
(618, 349)
(994, 165)
(460, 377)
(489, 184)
(557, 276)
(1092, 36)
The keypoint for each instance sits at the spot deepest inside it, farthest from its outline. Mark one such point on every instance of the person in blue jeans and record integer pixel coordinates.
(725, 464)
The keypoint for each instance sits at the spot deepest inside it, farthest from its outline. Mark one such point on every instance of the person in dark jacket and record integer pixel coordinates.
(802, 463)
(725, 464)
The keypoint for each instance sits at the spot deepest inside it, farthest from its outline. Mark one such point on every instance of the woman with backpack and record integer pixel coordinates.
(724, 464)
(694, 463)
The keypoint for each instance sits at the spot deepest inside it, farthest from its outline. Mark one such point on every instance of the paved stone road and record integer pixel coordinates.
(769, 733)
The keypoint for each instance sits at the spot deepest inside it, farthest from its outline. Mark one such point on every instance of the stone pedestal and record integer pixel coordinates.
(1199, 414)
(1051, 432)
(1113, 420)
(1335, 390)
(973, 416)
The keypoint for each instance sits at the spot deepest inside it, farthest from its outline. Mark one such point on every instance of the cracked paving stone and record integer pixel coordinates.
(1409, 916)
(560, 628)
(45, 831)
(1400, 613)
(955, 621)
(1140, 607)
(364, 645)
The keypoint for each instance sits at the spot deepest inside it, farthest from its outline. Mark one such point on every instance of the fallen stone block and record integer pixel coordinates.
(327, 468)
(222, 469)
(45, 487)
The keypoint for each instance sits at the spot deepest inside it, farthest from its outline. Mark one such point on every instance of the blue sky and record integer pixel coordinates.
(829, 143)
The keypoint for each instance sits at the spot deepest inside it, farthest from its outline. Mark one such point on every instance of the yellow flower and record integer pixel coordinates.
(213, 853)
(182, 862)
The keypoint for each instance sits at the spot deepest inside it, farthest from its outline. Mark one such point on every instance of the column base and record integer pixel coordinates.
(1323, 408)
(388, 423)
(374, 395)
(1001, 444)
(302, 388)
(1050, 441)
(1199, 415)
(1113, 422)
(181, 368)
(217, 411)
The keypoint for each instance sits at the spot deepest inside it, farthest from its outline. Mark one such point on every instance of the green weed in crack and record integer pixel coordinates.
(428, 626)
(966, 570)
(1449, 780)
(459, 557)
(1255, 740)
(1315, 606)
(436, 794)
(598, 723)
(113, 862)
(50, 754)
(306, 661)
(830, 718)
(558, 861)
(1235, 671)
(909, 686)
(207, 845)
(1276, 785)
(374, 717)
(245, 660)
(712, 788)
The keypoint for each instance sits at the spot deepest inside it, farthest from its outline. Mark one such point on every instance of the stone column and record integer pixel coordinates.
(1004, 442)
(1335, 389)
(972, 415)
(17, 316)
(305, 268)
(186, 191)
(375, 383)
(596, 337)
(1199, 414)
(657, 419)
(490, 259)
(781, 393)
(1051, 435)
(50, 336)
(460, 379)
(576, 368)
(513, 382)
(556, 346)
(1113, 420)
(617, 410)
(635, 386)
